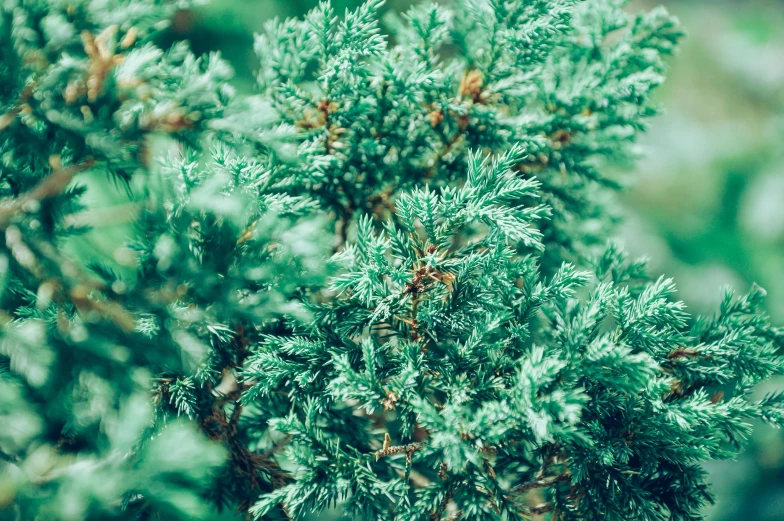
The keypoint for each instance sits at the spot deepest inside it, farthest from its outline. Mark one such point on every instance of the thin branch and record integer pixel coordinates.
(7, 119)
(541, 483)
(388, 450)
(399, 449)
(49, 187)
(450, 493)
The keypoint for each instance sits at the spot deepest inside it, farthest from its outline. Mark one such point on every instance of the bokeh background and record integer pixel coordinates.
(708, 203)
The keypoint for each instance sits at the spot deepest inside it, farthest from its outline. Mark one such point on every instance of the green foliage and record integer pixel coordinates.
(381, 287)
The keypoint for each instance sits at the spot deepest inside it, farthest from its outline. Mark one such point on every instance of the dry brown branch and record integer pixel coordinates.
(388, 450)
(541, 483)
(50, 186)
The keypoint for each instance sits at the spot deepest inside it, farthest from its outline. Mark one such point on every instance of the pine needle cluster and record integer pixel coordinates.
(381, 288)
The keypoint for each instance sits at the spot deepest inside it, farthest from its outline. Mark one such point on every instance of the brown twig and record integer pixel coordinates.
(20, 106)
(682, 352)
(450, 492)
(541, 483)
(387, 450)
(49, 187)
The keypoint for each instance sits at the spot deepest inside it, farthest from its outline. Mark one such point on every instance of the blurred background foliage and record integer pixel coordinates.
(707, 201)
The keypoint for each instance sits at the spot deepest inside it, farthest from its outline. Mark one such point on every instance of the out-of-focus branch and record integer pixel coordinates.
(50, 186)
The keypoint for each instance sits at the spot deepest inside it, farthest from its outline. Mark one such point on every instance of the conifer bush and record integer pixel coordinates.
(382, 287)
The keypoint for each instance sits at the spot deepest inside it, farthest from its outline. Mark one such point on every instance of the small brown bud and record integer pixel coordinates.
(389, 401)
(471, 85)
(436, 117)
(129, 38)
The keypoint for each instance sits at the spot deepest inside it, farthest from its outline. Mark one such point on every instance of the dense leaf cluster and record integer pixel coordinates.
(381, 288)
